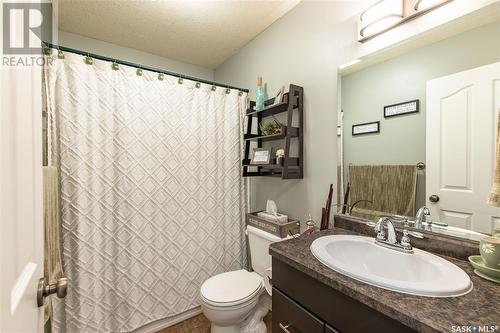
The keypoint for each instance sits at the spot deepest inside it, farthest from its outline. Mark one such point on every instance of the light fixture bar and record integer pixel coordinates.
(372, 23)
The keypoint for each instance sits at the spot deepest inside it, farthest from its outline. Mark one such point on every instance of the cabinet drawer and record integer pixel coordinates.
(289, 316)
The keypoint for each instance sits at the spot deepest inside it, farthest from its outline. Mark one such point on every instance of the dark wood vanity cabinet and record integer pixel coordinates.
(302, 304)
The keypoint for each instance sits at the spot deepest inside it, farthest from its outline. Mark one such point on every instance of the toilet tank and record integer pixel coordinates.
(258, 242)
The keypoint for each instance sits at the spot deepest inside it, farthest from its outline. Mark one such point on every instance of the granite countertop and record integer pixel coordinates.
(425, 314)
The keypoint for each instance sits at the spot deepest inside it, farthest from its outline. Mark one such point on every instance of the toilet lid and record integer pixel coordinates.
(231, 287)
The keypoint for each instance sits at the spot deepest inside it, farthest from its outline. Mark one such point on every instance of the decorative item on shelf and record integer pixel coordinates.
(259, 95)
(271, 127)
(366, 128)
(401, 108)
(279, 95)
(261, 155)
(280, 156)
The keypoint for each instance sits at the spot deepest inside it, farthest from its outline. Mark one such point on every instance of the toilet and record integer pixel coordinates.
(237, 301)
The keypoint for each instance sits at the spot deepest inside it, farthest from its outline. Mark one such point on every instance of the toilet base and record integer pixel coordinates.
(224, 329)
(254, 323)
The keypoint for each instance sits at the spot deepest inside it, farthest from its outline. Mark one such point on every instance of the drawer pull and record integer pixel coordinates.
(284, 328)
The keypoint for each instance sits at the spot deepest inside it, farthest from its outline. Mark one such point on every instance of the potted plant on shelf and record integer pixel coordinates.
(271, 127)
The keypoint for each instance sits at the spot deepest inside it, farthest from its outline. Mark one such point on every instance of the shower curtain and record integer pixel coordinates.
(152, 198)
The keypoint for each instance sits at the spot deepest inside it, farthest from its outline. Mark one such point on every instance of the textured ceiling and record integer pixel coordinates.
(201, 32)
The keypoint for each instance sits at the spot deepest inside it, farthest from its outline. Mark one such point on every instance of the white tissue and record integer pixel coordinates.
(271, 213)
(271, 208)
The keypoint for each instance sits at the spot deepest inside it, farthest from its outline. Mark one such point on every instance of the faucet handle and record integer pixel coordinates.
(405, 241)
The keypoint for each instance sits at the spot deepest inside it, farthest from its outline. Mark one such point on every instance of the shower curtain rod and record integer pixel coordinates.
(131, 64)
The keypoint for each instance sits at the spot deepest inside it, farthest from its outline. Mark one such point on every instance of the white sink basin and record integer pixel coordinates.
(420, 273)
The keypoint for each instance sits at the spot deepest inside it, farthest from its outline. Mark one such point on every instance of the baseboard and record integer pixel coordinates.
(158, 325)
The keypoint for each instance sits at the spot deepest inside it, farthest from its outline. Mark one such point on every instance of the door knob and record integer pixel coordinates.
(45, 289)
(434, 198)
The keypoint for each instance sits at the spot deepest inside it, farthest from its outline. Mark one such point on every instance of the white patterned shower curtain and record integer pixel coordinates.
(152, 198)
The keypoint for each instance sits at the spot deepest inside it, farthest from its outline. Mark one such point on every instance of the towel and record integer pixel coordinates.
(52, 246)
(390, 188)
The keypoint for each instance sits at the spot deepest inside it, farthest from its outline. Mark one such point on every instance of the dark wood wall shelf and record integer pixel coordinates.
(293, 166)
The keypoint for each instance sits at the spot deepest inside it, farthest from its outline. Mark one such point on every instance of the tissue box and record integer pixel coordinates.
(272, 218)
(278, 227)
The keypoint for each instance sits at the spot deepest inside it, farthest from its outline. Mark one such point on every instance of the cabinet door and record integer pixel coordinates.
(290, 317)
(329, 329)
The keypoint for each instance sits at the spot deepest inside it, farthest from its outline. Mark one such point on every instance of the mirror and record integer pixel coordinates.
(418, 128)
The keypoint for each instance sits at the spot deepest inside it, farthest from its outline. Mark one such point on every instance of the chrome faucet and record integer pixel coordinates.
(421, 217)
(390, 241)
(391, 232)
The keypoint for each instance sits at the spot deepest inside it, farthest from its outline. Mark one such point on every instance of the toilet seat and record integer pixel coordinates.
(231, 288)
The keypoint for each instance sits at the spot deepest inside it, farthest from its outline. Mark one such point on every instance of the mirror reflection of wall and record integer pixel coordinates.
(381, 167)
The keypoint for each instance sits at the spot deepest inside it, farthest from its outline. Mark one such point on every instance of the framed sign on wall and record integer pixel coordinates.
(366, 128)
(402, 108)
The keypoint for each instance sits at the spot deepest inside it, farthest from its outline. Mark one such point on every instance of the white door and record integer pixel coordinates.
(461, 129)
(21, 226)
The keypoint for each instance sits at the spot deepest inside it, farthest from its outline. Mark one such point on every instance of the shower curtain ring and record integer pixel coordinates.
(161, 76)
(228, 91)
(89, 60)
(60, 53)
(198, 84)
(213, 88)
(138, 72)
(180, 80)
(115, 66)
(240, 93)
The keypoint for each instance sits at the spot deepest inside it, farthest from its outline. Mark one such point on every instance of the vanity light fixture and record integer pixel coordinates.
(421, 5)
(385, 15)
(380, 16)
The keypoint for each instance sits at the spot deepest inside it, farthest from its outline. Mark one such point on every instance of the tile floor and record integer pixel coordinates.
(200, 324)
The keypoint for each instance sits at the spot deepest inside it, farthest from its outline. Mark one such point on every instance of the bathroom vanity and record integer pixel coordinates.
(309, 297)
